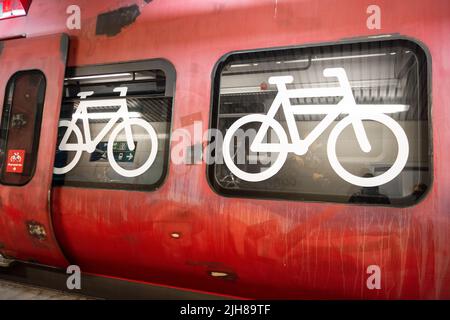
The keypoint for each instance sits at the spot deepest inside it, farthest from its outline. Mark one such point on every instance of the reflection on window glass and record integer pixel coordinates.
(20, 127)
(114, 127)
(343, 123)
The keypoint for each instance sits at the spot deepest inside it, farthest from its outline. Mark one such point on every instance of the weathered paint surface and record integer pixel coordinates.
(270, 249)
(111, 23)
(25, 219)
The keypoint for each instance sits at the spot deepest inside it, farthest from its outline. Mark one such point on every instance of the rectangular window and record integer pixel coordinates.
(21, 126)
(343, 123)
(114, 126)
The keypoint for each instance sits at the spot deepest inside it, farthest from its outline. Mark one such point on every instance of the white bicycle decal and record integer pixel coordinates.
(90, 145)
(347, 105)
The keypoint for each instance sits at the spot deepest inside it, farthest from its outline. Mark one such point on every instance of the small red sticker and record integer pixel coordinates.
(16, 159)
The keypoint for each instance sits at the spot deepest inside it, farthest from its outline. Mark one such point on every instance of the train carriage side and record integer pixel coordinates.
(346, 194)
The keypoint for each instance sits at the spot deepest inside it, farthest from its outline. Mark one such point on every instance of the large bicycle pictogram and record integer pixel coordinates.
(356, 113)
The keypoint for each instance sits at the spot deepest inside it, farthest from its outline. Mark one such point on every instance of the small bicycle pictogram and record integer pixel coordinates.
(114, 117)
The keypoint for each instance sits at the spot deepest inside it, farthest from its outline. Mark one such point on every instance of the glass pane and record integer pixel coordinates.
(342, 123)
(21, 125)
(114, 131)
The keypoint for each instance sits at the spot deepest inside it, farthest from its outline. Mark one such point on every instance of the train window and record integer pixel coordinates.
(114, 126)
(20, 126)
(342, 123)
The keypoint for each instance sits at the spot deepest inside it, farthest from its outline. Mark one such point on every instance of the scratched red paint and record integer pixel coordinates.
(275, 249)
(30, 202)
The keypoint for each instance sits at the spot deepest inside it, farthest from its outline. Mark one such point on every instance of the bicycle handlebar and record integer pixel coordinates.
(280, 80)
(122, 90)
(85, 94)
(343, 90)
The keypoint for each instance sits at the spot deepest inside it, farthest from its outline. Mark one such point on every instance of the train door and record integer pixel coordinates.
(31, 81)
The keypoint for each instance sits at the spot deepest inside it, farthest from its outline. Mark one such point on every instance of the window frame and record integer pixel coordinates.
(39, 114)
(325, 199)
(120, 67)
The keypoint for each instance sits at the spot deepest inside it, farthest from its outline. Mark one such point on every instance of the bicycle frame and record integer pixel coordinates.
(346, 106)
(83, 114)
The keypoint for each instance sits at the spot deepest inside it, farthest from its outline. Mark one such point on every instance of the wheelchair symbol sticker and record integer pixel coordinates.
(16, 160)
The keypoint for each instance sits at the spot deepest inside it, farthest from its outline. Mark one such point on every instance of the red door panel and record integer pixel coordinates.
(26, 231)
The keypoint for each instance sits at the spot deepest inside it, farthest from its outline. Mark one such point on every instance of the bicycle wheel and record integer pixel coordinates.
(154, 148)
(397, 167)
(274, 168)
(59, 153)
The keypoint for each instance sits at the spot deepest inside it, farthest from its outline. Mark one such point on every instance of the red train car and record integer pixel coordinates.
(256, 149)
